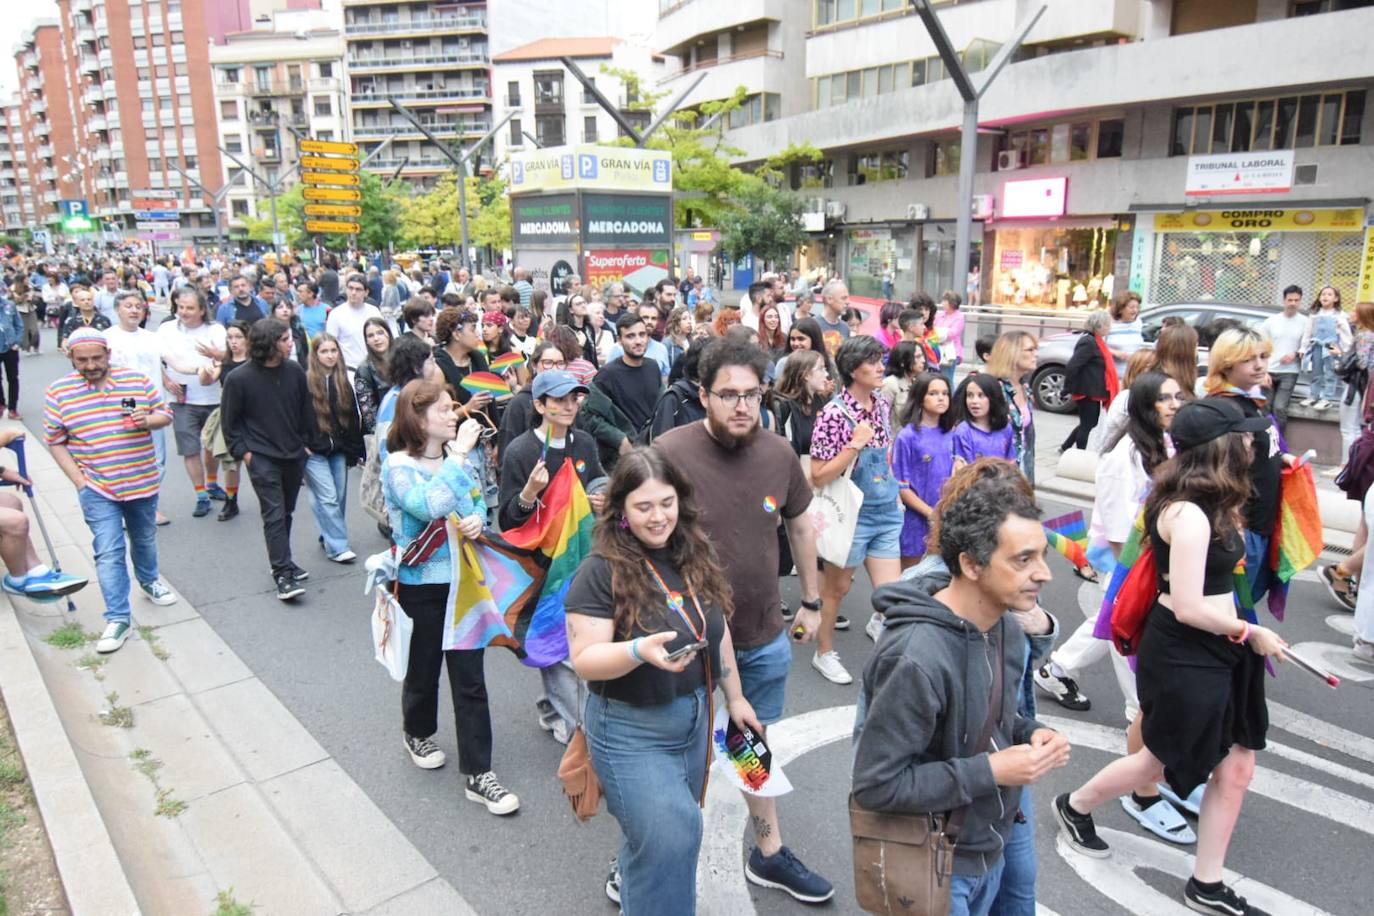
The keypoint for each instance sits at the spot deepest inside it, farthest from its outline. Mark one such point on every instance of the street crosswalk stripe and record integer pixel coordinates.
(1323, 733)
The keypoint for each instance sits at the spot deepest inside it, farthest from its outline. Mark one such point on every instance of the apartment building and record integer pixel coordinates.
(551, 108)
(274, 84)
(433, 59)
(1099, 149)
(17, 208)
(44, 110)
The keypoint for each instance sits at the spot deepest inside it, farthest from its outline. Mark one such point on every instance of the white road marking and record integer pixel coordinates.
(1117, 877)
(1337, 659)
(1343, 624)
(1311, 798)
(1322, 733)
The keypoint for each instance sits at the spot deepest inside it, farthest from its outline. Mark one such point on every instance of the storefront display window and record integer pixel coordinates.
(1052, 267)
(873, 252)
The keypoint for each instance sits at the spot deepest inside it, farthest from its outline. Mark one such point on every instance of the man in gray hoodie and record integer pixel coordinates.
(927, 690)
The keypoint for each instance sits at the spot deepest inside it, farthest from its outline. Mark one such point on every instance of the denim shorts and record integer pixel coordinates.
(763, 677)
(880, 538)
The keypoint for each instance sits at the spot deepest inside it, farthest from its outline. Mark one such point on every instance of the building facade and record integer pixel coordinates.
(17, 208)
(430, 57)
(1091, 147)
(273, 85)
(551, 107)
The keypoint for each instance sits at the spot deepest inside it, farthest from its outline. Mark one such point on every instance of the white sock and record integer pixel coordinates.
(1057, 671)
(40, 570)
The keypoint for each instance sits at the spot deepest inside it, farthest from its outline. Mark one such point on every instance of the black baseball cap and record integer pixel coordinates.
(1201, 421)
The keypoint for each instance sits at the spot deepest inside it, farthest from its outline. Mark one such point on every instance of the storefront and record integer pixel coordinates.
(875, 254)
(1059, 263)
(1248, 255)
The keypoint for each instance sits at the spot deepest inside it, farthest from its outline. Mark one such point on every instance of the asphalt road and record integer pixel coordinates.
(1307, 828)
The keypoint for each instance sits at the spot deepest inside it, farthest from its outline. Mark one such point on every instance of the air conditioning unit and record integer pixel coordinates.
(1010, 159)
(917, 212)
(982, 206)
(834, 209)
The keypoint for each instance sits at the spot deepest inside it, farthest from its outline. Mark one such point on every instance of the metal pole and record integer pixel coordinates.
(968, 158)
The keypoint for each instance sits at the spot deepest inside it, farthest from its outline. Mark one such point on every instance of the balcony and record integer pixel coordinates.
(97, 122)
(52, 197)
(721, 61)
(108, 88)
(263, 119)
(412, 94)
(414, 162)
(280, 87)
(48, 174)
(371, 62)
(36, 82)
(104, 182)
(106, 57)
(44, 151)
(684, 23)
(92, 94)
(438, 128)
(31, 61)
(82, 6)
(85, 33)
(88, 63)
(103, 154)
(417, 26)
(324, 84)
(42, 128)
(38, 106)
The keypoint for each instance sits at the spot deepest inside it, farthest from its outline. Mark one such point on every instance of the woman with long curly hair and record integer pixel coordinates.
(337, 447)
(647, 629)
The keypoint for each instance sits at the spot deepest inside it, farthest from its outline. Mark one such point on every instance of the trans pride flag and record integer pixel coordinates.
(508, 589)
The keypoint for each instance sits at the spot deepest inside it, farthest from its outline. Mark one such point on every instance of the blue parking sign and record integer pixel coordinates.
(75, 208)
(586, 165)
(517, 173)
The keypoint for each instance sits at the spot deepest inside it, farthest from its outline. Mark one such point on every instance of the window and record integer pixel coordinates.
(1066, 141)
(228, 111)
(548, 130)
(238, 209)
(234, 144)
(945, 157)
(227, 75)
(326, 70)
(756, 109)
(1110, 133)
(262, 77)
(1288, 122)
(1313, 7)
(513, 94)
(548, 88)
(589, 129)
(865, 168)
(808, 175)
(587, 97)
(323, 106)
(517, 137)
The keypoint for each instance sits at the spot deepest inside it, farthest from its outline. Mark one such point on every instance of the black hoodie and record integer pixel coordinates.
(927, 693)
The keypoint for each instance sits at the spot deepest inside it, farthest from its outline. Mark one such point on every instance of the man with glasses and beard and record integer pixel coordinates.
(745, 483)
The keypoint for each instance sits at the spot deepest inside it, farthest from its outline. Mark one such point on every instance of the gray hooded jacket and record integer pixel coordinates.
(927, 690)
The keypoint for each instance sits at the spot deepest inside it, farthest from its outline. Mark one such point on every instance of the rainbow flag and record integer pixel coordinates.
(486, 382)
(522, 575)
(505, 361)
(1068, 534)
(1130, 552)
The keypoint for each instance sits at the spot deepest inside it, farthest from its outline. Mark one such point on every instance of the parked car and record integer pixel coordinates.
(1047, 384)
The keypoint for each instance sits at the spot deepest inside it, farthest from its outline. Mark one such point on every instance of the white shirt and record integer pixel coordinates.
(1122, 485)
(179, 348)
(139, 349)
(1286, 334)
(346, 323)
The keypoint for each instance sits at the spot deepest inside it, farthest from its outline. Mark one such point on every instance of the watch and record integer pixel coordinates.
(811, 605)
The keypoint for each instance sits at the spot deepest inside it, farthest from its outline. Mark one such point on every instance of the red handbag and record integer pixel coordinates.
(1133, 601)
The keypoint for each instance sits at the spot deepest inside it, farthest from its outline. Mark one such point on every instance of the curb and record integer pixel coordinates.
(87, 863)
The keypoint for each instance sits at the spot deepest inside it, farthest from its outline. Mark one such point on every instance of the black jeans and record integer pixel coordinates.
(10, 361)
(1283, 395)
(1088, 413)
(427, 606)
(277, 481)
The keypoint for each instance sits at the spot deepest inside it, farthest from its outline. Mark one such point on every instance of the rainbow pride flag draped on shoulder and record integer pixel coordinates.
(1296, 542)
(508, 589)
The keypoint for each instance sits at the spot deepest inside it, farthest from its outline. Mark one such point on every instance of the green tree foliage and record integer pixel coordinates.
(767, 224)
(377, 227)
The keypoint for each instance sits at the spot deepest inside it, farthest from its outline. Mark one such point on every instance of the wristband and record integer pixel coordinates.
(1243, 636)
(634, 650)
(811, 605)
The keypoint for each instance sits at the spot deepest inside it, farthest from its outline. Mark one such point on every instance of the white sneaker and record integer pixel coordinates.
(828, 664)
(874, 628)
(157, 592)
(344, 556)
(1364, 651)
(115, 635)
(1323, 404)
(1307, 402)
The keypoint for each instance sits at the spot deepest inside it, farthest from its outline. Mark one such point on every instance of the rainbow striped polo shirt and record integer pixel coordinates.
(118, 460)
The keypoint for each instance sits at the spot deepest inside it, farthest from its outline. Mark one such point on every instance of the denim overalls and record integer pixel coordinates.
(1324, 334)
(880, 519)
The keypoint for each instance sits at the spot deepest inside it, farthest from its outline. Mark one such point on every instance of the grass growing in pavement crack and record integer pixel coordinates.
(93, 663)
(155, 645)
(70, 635)
(226, 905)
(148, 765)
(116, 716)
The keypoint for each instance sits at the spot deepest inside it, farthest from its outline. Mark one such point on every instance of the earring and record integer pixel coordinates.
(624, 522)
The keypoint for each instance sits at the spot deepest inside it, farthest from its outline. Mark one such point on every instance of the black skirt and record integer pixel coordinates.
(1200, 694)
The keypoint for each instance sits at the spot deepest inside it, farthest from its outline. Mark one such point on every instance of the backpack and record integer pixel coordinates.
(645, 435)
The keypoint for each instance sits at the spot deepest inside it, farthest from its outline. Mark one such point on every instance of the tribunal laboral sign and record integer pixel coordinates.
(591, 167)
(1268, 172)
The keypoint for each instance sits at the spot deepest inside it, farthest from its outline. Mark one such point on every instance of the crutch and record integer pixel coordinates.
(17, 446)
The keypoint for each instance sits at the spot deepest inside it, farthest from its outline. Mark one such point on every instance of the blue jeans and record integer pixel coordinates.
(763, 674)
(327, 477)
(1016, 893)
(108, 519)
(160, 452)
(948, 371)
(970, 896)
(651, 761)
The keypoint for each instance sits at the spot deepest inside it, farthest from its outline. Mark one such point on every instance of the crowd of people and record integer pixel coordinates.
(700, 434)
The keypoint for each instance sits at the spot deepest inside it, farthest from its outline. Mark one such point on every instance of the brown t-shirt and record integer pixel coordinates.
(743, 492)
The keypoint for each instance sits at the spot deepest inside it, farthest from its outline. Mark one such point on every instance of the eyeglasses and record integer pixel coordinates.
(547, 364)
(731, 399)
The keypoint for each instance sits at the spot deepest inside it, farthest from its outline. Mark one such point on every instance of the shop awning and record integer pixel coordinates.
(1270, 203)
(1062, 222)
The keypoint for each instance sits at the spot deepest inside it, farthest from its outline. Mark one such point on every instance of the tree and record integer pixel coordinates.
(432, 218)
(766, 223)
(377, 227)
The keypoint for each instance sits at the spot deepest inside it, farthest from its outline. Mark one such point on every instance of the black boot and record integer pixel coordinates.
(231, 509)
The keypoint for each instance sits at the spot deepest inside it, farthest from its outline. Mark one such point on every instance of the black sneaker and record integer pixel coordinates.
(1079, 829)
(841, 622)
(300, 575)
(613, 882)
(787, 612)
(1064, 689)
(1342, 588)
(1224, 901)
(484, 789)
(288, 588)
(424, 753)
(785, 871)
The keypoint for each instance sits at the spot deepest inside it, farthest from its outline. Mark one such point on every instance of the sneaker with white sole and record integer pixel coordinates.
(828, 664)
(424, 753)
(841, 622)
(115, 635)
(613, 882)
(485, 790)
(1079, 829)
(874, 628)
(1064, 689)
(784, 871)
(288, 588)
(344, 556)
(157, 592)
(1362, 650)
(1307, 402)
(1223, 900)
(1342, 588)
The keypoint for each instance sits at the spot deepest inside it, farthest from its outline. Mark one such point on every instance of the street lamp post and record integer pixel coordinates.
(273, 189)
(216, 198)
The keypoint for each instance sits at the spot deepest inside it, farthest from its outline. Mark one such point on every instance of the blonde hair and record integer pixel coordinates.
(1231, 348)
(1002, 360)
(1137, 364)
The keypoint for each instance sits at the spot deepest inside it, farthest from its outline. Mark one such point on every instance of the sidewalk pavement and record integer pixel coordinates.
(269, 816)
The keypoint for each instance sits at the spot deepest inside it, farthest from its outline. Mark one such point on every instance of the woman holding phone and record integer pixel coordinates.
(646, 628)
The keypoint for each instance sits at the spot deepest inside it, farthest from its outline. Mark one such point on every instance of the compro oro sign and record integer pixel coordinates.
(608, 168)
(1288, 220)
(1240, 173)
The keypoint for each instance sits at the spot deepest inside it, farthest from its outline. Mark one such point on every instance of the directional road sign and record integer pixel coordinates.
(155, 193)
(157, 225)
(329, 146)
(330, 225)
(329, 178)
(347, 194)
(153, 204)
(156, 214)
(337, 163)
(159, 236)
(344, 210)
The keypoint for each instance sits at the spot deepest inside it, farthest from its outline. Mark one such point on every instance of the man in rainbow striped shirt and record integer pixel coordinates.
(97, 420)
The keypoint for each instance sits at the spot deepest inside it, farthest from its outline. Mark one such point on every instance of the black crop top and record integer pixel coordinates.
(1218, 571)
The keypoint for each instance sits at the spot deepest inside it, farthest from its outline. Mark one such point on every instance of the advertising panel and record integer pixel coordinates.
(550, 219)
(627, 221)
(1287, 220)
(638, 269)
(608, 168)
(1269, 172)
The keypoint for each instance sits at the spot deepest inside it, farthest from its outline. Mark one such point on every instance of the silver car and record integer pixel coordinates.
(1047, 384)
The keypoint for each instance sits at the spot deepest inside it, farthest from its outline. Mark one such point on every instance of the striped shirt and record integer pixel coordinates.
(118, 460)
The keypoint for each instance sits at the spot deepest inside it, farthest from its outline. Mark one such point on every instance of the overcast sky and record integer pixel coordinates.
(12, 23)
